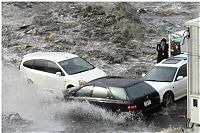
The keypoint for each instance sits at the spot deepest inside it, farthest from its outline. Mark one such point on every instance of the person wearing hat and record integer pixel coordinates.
(162, 49)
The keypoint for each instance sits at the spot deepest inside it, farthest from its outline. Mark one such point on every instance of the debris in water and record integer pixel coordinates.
(181, 116)
(142, 10)
(24, 26)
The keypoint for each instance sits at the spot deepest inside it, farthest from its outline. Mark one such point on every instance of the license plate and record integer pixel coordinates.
(147, 103)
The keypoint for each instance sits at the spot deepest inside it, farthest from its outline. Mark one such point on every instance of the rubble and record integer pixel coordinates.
(118, 32)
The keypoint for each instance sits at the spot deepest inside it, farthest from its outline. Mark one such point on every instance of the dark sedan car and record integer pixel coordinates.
(117, 94)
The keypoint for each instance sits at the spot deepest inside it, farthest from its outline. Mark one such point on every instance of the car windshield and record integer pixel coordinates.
(161, 74)
(75, 65)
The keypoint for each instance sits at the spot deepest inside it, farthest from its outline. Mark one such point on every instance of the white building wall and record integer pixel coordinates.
(193, 85)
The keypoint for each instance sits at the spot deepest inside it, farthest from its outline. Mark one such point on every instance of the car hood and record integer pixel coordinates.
(158, 85)
(89, 75)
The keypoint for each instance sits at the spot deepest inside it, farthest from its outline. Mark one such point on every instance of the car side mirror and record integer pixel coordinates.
(179, 78)
(143, 75)
(58, 73)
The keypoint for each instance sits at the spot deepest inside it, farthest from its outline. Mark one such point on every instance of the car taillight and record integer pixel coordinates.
(132, 108)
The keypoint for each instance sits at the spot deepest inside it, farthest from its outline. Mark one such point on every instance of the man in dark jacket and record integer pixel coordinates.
(162, 49)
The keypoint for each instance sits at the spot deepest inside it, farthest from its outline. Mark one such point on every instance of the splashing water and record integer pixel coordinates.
(26, 108)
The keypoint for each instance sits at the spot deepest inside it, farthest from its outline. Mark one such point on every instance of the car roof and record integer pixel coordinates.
(53, 56)
(114, 81)
(176, 61)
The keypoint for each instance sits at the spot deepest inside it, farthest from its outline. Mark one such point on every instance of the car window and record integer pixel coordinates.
(182, 71)
(118, 93)
(75, 65)
(84, 92)
(99, 92)
(28, 64)
(40, 65)
(53, 68)
(139, 89)
(161, 74)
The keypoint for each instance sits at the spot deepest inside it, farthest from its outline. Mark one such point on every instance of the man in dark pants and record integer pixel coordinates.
(162, 49)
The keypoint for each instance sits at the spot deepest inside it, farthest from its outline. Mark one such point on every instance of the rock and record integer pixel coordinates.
(14, 117)
(24, 26)
(23, 5)
(44, 20)
(27, 46)
(142, 10)
(115, 58)
(50, 38)
(161, 12)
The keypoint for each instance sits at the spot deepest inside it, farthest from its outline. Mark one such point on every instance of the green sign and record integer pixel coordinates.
(176, 38)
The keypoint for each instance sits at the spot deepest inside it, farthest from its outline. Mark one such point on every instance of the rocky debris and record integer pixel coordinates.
(142, 10)
(115, 58)
(110, 33)
(13, 122)
(22, 5)
(14, 118)
(24, 26)
(137, 70)
(50, 37)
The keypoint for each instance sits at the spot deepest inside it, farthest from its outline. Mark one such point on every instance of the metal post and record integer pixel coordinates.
(169, 46)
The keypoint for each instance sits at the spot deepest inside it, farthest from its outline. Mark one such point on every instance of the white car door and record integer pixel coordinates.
(55, 81)
(38, 73)
(180, 85)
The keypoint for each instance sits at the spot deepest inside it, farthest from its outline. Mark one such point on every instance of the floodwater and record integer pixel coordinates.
(28, 109)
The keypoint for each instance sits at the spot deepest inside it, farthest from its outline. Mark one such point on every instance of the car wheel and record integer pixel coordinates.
(65, 93)
(168, 98)
(69, 86)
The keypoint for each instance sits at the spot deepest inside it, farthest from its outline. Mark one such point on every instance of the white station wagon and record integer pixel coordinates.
(169, 78)
(58, 71)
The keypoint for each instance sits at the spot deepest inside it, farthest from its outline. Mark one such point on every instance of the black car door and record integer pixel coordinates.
(100, 97)
(83, 94)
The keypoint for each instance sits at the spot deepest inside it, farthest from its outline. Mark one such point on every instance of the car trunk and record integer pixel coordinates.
(143, 95)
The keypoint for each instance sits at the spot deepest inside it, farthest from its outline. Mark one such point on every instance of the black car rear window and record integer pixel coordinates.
(118, 93)
(139, 89)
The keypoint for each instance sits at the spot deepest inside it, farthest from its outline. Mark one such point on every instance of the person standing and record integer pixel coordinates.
(162, 49)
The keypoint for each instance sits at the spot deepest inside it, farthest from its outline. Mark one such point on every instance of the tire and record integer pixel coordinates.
(65, 93)
(69, 86)
(168, 98)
